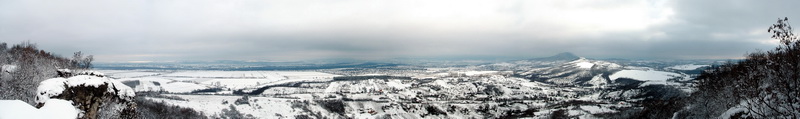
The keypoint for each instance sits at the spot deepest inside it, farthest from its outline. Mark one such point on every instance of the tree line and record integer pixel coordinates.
(24, 66)
(764, 85)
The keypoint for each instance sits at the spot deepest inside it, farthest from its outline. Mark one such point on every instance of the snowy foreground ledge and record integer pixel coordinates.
(53, 109)
(85, 94)
(56, 86)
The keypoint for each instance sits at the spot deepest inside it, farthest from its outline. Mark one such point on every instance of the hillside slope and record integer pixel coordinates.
(24, 66)
(765, 85)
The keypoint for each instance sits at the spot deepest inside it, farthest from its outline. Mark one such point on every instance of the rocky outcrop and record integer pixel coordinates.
(94, 94)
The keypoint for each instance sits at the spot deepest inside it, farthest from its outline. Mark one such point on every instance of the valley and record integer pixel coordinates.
(562, 85)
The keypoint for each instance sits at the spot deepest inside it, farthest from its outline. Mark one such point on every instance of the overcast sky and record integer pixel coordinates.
(281, 30)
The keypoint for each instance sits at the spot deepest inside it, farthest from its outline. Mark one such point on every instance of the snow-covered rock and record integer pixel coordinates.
(70, 73)
(95, 96)
(56, 86)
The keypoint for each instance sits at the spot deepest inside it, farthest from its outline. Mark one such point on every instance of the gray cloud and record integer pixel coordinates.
(292, 30)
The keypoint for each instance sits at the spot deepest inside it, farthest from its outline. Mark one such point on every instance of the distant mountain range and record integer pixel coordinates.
(565, 56)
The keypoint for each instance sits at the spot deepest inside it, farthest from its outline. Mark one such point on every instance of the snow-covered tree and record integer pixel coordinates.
(765, 85)
(23, 67)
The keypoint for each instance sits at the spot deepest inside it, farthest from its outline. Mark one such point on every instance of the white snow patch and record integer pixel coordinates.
(49, 88)
(730, 112)
(85, 80)
(397, 84)
(585, 65)
(443, 83)
(9, 68)
(597, 109)
(741, 108)
(649, 75)
(598, 81)
(181, 87)
(52, 109)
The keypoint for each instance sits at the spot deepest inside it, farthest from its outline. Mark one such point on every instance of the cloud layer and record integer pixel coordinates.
(168, 30)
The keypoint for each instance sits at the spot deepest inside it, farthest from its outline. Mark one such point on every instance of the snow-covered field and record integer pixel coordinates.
(188, 81)
(649, 76)
(585, 65)
(687, 67)
(274, 75)
(644, 75)
(182, 87)
(259, 107)
(466, 92)
(581, 88)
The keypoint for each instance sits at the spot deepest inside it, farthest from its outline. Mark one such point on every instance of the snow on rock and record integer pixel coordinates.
(55, 86)
(93, 94)
(84, 80)
(70, 73)
(732, 112)
(54, 109)
(687, 67)
(50, 88)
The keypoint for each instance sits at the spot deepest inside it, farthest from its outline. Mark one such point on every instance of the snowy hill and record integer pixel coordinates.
(575, 72)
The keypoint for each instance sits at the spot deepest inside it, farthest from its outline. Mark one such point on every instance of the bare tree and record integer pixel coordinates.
(31, 66)
(82, 62)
